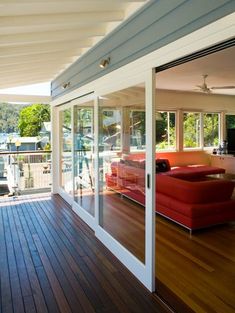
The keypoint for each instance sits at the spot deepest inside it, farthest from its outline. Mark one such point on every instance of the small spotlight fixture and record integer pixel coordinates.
(104, 62)
(66, 85)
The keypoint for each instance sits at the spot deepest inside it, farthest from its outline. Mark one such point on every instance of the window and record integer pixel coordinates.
(211, 129)
(165, 131)
(191, 128)
(193, 123)
(230, 121)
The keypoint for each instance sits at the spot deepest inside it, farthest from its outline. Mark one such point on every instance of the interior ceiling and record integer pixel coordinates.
(219, 66)
(40, 38)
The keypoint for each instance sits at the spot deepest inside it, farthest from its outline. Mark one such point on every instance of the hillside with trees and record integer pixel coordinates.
(9, 116)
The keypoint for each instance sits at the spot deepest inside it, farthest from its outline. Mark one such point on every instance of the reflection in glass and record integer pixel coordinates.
(83, 157)
(165, 131)
(66, 151)
(122, 167)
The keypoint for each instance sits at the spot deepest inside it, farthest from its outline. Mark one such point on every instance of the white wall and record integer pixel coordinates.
(172, 100)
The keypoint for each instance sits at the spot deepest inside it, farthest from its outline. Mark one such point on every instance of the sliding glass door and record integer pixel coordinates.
(106, 172)
(125, 179)
(84, 156)
(66, 181)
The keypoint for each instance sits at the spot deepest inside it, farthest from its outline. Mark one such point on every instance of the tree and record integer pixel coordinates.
(9, 115)
(31, 119)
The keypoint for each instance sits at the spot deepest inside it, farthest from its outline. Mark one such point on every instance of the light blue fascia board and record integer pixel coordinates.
(158, 24)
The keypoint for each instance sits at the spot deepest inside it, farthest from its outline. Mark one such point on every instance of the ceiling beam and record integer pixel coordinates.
(54, 36)
(40, 57)
(44, 48)
(28, 79)
(32, 67)
(24, 98)
(52, 7)
(58, 19)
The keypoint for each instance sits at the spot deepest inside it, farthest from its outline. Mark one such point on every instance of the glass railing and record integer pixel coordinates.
(25, 172)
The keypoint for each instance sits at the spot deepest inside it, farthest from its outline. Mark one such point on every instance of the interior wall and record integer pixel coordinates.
(172, 100)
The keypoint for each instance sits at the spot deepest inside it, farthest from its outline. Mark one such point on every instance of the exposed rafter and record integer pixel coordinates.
(41, 38)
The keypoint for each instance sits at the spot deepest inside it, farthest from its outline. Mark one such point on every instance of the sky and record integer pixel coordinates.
(42, 89)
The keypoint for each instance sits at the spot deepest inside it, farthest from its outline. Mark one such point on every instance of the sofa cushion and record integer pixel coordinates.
(194, 171)
(204, 191)
(194, 210)
(162, 165)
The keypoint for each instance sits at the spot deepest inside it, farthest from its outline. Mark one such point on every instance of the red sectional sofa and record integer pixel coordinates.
(183, 194)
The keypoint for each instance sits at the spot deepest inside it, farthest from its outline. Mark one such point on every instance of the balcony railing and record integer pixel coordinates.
(25, 171)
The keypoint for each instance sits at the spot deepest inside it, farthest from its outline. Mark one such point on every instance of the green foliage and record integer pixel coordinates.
(230, 121)
(9, 115)
(191, 130)
(31, 119)
(162, 140)
(66, 118)
(211, 129)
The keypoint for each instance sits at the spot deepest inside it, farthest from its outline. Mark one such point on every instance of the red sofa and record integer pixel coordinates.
(183, 194)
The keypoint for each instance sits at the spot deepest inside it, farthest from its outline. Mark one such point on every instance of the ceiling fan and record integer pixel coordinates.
(204, 87)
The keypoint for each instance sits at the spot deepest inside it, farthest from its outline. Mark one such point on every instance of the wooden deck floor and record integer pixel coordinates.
(50, 261)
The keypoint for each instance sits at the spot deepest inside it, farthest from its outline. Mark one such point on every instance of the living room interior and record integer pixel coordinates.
(194, 254)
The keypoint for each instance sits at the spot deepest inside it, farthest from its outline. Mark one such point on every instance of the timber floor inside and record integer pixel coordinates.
(197, 270)
(50, 261)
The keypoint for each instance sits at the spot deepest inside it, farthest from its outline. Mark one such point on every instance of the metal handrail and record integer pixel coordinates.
(25, 152)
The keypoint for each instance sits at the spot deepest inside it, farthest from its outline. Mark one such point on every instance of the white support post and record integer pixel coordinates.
(96, 163)
(55, 145)
(201, 138)
(150, 181)
(179, 130)
(72, 150)
(222, 126)
(125, 127)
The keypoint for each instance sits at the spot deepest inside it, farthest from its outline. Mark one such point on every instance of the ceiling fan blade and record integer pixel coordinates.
(223, 87)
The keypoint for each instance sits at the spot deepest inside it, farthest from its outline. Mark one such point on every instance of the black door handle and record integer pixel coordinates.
(148, 181)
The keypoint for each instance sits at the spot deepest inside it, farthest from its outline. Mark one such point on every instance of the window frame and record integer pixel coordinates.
(202, 147)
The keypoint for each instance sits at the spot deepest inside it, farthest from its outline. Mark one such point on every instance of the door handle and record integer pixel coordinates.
(148, 181)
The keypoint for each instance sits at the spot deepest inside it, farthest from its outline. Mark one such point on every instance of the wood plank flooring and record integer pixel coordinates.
(194, 274)
(50, 261)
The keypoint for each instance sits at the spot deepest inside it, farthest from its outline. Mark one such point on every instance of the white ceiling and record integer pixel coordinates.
(219, 66)
(41, 38)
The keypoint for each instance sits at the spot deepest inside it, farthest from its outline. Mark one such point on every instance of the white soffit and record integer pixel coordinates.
(40, 38)
(219, 66)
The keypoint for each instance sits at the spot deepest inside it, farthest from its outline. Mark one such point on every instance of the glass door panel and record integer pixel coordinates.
(83, 156)
(122, 167)
(66, 181)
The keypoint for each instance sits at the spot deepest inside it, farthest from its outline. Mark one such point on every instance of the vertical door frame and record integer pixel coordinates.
(150, 176)
(144, 272)
(83, 214)
(68, 198)
(55, 155)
